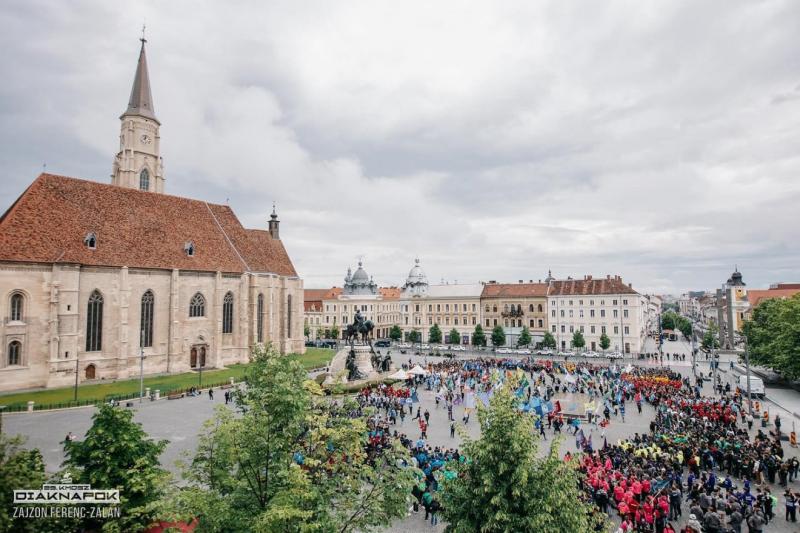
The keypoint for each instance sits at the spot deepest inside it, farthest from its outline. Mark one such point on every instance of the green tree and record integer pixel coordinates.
(524, 337)
(454, 337)
(773, 335)
(605, 342)
(478, 336)
(335, 332)
(549, 341)
(669, 320)
(19, 469)
(435, 334)
(577, 340)
(306, 331)
(395, 333)
(415, 336)
(290, 462)
(498, 336)
(117, 454)
(505, 486)
(710, 338)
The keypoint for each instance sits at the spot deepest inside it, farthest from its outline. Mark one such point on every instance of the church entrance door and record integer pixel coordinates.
(197, 357)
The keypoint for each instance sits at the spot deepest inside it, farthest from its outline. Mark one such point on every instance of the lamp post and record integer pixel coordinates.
(141, 366)
(75, 395)
(747, 370)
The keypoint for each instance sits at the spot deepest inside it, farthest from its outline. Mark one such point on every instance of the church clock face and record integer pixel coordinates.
(146, 139)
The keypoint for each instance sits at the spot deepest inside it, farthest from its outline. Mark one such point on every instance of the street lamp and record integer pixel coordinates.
(75, 396)
(747, 370)
(141, 366)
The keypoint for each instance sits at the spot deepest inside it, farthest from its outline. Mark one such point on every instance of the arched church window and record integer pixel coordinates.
(188, 247)
(17, 301)
(144, 180)
(14, 353)
(90, 240)
(146, 321)
(260, 318)
(197, 306)
(227, 313)
(94, 322)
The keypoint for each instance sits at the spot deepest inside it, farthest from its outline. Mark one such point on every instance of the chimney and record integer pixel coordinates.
(608, 276)
(520, 281)
(588, 277)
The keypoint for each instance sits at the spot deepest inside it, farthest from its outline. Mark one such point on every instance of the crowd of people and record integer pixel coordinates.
(698, 465)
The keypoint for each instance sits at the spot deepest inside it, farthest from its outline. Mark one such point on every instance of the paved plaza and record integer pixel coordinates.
(180, 421)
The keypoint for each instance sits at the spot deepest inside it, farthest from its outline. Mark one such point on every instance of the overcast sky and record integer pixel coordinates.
(494, 140)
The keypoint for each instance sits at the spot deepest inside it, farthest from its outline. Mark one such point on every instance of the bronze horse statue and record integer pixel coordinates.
(364, 329)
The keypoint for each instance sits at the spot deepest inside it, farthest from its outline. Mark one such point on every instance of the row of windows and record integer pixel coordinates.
(591, 302)
(533, 322)
(614, 313)
(592, 329)
(516, 308)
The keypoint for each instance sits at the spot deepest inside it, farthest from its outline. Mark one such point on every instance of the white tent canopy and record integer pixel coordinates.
(418, 371)
(400, 374)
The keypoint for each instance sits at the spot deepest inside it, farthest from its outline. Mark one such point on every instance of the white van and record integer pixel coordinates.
(756, 386)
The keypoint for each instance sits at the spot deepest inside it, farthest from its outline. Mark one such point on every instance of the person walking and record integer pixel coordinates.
(452, 429)
(210, 393)
(791, 506)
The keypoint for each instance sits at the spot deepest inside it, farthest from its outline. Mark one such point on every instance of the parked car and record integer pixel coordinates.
(566, 354)
(382, 343)
(544, 352)
(458, 348)
(503, 350)
(591, 354)
(614, 355)
(404, 345)
(523, 351)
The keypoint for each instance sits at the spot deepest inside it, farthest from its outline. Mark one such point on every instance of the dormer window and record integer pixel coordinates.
(90, 240)
(189, 248)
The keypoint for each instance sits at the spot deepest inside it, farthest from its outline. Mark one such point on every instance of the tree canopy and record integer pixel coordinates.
(577, 340)
(454, 337)
(773, 335)
(605, 342)
(415, 336)
(498, 336)
(435, 334)
(549, 341)
(395, 333)
(524, 337)
(19, 469)
(117, 454)
(478, 336)
(504, 486)
(290, 463)
(674, 321)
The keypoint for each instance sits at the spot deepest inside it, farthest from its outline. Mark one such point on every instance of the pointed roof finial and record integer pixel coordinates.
(141, 101)
(274, 214)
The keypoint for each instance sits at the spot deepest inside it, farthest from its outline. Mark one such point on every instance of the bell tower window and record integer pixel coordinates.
(144, 180)
(91, 240)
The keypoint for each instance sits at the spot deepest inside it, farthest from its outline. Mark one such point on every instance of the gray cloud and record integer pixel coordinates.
(657, 141)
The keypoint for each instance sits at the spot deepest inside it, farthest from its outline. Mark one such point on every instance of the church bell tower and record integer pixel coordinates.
(138, 165)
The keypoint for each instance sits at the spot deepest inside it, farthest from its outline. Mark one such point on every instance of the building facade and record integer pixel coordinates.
(594, 307)
(514, 306)
(95, 277)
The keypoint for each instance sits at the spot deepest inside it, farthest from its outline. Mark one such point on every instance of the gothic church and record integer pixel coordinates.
(93, 276)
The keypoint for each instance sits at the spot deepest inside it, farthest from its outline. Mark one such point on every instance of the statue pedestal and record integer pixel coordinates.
(364, 359)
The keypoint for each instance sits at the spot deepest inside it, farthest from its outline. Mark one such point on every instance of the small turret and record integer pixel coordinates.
(274, 224)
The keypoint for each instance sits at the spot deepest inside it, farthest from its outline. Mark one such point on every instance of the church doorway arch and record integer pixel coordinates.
(197, 356)
(90, 372)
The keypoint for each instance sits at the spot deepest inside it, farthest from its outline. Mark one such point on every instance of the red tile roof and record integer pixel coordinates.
(590, 286)
(50, 220)
(514, 290)
(756, 296)
(317, 295)
(390, 293)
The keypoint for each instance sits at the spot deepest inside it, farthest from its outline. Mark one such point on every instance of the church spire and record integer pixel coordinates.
(141, 101)
(138, 164)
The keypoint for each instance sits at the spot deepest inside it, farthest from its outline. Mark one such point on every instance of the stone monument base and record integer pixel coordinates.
(337, 371)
